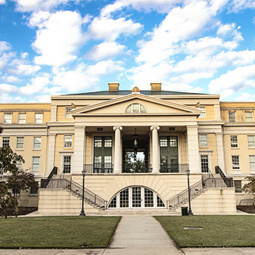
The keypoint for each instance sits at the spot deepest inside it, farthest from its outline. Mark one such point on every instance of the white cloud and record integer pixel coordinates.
(105, 50)
(5, 58)
(9, 78)
(22, 68)
(241, 77)
(103, 28)
(4, 46)
(37, 5)
(58, 38)
(230, 30)
(237, 5)
(2, 2)
(7, 88)
(83, 76)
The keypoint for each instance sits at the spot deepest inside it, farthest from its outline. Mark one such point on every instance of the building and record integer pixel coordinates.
(135, 147)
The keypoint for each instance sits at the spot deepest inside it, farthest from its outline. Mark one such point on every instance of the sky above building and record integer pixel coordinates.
(50, 47)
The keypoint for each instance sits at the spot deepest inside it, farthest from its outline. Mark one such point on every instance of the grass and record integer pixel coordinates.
(57, 232)
(218, 231)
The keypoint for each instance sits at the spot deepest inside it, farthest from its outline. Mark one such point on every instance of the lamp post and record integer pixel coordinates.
(83, 184)
(190, 211)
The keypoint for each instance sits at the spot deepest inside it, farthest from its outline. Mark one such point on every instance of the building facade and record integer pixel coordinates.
(135, 146)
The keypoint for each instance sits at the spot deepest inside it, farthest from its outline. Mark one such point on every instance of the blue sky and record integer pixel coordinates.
(50, 47)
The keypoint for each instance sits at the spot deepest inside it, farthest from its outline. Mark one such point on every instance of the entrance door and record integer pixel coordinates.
(136, 197)
(204, 163)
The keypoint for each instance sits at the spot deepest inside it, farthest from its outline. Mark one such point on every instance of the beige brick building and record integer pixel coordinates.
(135, 147)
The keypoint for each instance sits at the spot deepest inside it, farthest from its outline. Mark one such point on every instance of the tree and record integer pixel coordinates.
(250, 187)
(17, 180)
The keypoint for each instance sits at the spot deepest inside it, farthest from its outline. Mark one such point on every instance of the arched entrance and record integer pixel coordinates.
(136, 197)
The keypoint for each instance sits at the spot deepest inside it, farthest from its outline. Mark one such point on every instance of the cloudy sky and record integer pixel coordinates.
(50, 47)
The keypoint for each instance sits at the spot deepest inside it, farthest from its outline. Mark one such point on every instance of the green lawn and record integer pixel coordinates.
(218, 231)
(57, 232)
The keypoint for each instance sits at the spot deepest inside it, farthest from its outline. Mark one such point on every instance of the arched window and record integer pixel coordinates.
(135, 108)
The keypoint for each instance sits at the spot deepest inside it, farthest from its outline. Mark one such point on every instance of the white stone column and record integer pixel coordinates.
(51, 152)
(193, 149)
(155, 149)
(79, 149)
(117, 150)
(220, 150)
(53, 113)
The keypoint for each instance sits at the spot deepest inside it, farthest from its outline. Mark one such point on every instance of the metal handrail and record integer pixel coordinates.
(228, 181)
(98, 168)
(195, 190)
(45, 182)
(76, 189)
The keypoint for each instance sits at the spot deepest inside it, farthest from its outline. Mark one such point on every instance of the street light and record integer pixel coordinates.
(190, 211)
(83, 184)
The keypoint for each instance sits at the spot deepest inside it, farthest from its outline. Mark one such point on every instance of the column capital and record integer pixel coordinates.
(117, 127)
(154, 127)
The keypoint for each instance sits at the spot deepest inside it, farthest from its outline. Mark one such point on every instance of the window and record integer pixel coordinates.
(203, 140)
(232, 116)
(68, 143)
(19, 165)
(98, 141)
(251, 141)
(235, 163)
(108, 142)
(238, 186)
(22, 118)
(204, 163)
(35, 164)
(233, 141)
(163, 141)
(252, 162)
(203, 112)
(248, 116)
(173, 141)
(38, 118)
(7, 118)
(6, 142)
(135, 108)
(67, 165)
(20, 143)
(68, 112)
(37, 142)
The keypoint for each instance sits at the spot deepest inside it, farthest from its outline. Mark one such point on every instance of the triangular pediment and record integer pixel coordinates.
(152, 106)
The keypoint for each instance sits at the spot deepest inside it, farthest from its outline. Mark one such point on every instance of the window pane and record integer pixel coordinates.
(135, 108)
(108, 142)
(249, 116)
(252, 162)
(7, 118)
(232, 116)
(37, 142)
(38, 118)
(233, 141)
(203, 140)
(20, 143)
(163, 141)
(148, 198)
(67, 164)
(6, 142)
(98, 141)
(203, 113)
(238, 186)
(22, 118)
(113, 203)
(235, 162)
(124, 198)
(204, 163)
(173, 141)
(68, 141)
(251, 140)
(35, 164)
(160, 202)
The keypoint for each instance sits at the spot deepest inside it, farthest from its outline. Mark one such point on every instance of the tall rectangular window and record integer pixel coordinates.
(22, 118)
(6, 142)
(232, 116)
(37, 142)
(251, 141)
(203, 140)
(252, 162)
(67, 164)
(68, 143)
(248, 116)
(235, 163)
(204, 163)
(38, 118)
(8, 118)
(238, 186)
(233, 141)
(35, 164)
(203, 111)
(68, 112)
(20, 143)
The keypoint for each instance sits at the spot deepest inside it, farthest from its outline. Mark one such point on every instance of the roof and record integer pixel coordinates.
(127, 92)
